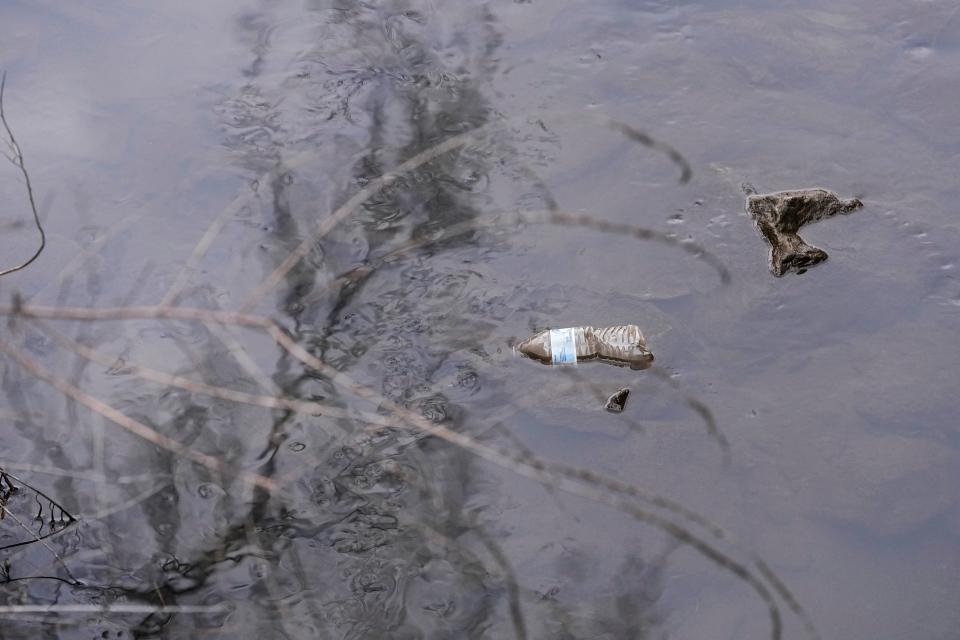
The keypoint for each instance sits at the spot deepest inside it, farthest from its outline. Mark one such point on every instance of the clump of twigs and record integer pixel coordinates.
(28, 515)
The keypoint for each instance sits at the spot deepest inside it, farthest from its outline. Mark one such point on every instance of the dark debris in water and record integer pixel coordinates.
(27, 515)
(779, 217)
(617, 402)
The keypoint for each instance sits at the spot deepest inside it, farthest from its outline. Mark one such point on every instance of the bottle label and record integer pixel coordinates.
(563, 346)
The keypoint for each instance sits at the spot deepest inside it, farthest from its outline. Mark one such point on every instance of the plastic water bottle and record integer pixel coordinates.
(622, 345)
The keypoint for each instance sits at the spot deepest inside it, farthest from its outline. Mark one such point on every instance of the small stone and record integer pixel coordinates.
(617, 402)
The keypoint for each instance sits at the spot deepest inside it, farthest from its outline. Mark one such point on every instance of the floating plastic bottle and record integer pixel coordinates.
(621, 345)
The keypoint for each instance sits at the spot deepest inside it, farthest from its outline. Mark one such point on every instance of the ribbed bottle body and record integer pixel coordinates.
(622, 345)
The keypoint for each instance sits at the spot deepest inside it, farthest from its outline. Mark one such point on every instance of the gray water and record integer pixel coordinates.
(834, 393)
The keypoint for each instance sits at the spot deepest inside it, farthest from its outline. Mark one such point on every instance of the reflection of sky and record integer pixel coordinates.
(105, 106)
(79, 76)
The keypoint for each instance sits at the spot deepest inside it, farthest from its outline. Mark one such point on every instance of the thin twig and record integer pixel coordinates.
(564, 218)
(536, 470)
(76, 475)
(540, 473)
(701, 409)
(284, 341)
(686, 172)
(180, 382)
(17, 160)
(788, 597)
(140, 498)
(269, 580)
(137, 313)
(125, 421)
(73, 267)
(176, 289)
(41, 539)
(110, 608)
(508, 219)
(224, 333)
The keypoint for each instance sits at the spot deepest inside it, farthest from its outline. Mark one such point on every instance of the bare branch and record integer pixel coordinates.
(128, 423)
(17, 160)
(39, 539)
(160, 377)
(86, 609)
(183, 277)
(580, 484)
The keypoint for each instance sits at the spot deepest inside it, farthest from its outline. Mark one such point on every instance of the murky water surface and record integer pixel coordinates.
(811, 418)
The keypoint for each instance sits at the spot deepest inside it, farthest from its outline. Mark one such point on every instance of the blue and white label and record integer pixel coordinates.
(563, 346)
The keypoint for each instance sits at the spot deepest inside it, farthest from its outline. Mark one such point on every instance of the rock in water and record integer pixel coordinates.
(617, 401)
(779, 217)
(621, 345)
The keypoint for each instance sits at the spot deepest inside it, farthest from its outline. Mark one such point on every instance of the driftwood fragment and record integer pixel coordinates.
(779, 217)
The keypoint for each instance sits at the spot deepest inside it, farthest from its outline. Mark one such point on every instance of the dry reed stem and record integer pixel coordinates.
(534, 470)
(539, 472)
(89, 476)
(183, 277)
(98, 459)
(123, 506)
(616, 486)
(85, 609)
(553, 216)
(222, 393)
(581, 486)
(17, 160)
(224, 334)
(126, 422)
(137, 313)
(73, 267)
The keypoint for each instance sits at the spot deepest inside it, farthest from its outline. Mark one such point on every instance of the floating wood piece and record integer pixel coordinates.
(779, 217)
